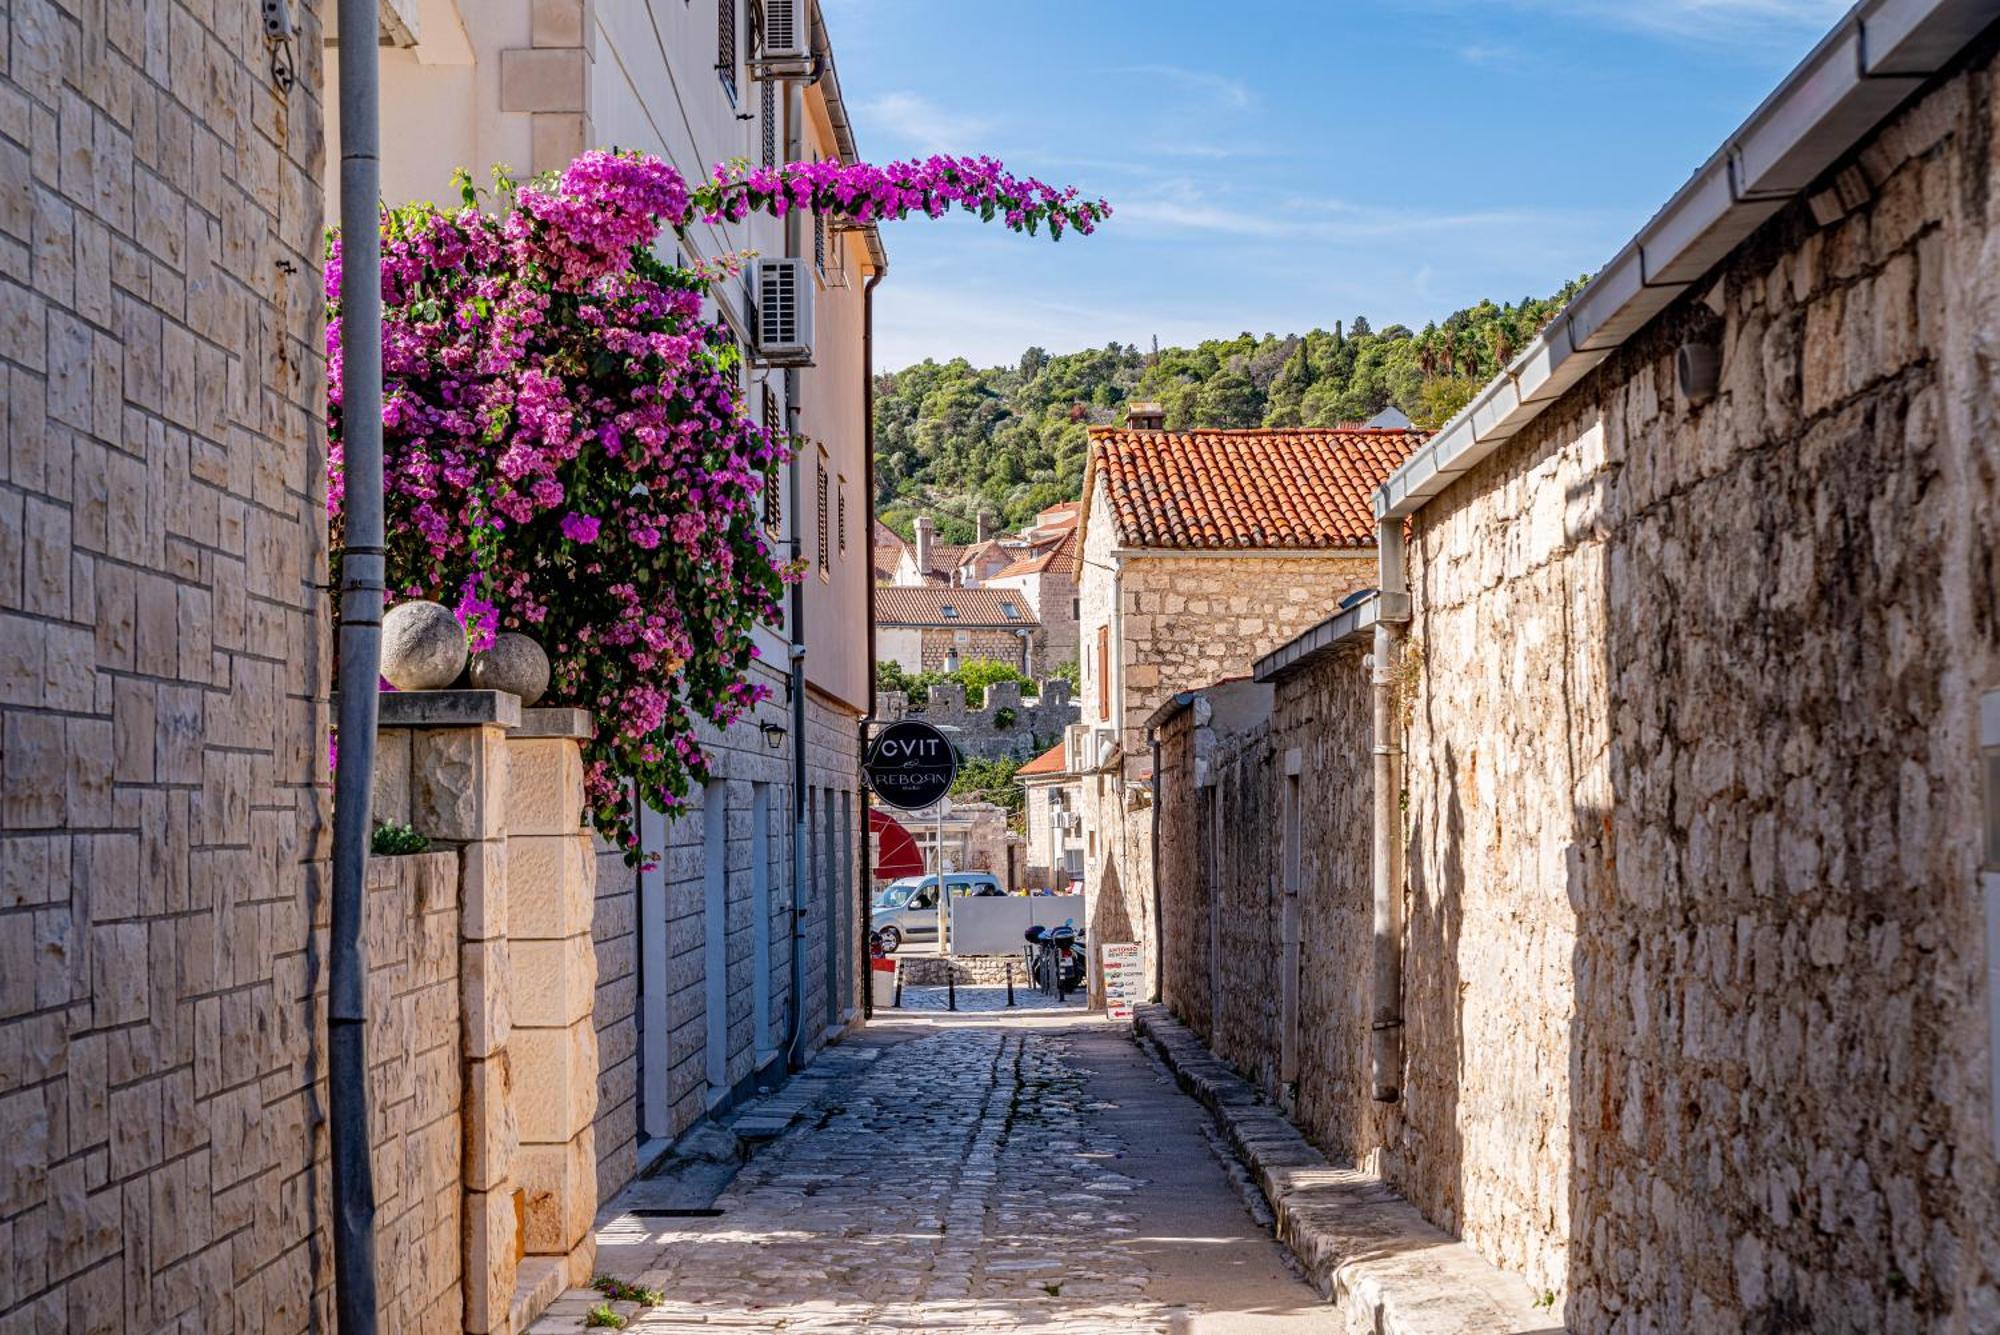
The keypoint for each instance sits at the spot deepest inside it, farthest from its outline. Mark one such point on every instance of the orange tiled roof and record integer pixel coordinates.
(1052, 558)
(925, 606)
(1283, 489)
(1048, 762)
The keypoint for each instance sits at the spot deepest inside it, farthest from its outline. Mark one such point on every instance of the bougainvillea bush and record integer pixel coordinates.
(565, 446)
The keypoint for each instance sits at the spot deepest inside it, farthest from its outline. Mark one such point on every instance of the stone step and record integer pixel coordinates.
(1372, 1253)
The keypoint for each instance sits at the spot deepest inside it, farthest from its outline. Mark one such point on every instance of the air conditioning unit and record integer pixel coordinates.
(781, 298)
(784, 43)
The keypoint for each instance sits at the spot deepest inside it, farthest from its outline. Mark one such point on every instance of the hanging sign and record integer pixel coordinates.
(910, 765)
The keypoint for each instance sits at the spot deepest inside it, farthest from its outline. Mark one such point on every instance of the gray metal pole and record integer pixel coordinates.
(361, 585)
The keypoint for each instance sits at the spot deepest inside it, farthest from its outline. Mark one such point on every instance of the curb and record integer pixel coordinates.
(1371, 1253)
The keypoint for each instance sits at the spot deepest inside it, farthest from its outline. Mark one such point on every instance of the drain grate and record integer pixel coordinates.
(674, 1214)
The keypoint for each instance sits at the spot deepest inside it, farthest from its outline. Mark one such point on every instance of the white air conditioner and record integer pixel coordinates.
(781, 295)
(784, 46)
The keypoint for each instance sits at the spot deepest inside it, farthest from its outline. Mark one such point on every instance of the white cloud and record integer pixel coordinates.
(1220, 88)
(1322, 221)
(1703, 20)
(916, 122)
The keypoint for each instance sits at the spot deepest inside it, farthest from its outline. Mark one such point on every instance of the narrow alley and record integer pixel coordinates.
(1027, 1170)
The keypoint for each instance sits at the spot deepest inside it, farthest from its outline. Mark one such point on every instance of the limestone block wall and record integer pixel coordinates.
(1693, 812)
(503, 930)
(415, 1090)
(1192, 620)
(163, 671)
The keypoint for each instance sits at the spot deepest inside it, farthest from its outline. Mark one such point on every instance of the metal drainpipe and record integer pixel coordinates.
(1159, 931)
(361, 588)
(801, 809)
(1387, 1020)
(866, 887)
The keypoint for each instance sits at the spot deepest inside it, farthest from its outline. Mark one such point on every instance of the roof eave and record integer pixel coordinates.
(1875, 58)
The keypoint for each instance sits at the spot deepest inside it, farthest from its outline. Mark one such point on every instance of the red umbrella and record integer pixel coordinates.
(896, 852)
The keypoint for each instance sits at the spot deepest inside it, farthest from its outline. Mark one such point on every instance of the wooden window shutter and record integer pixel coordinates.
(1104, 672)
(825, 556)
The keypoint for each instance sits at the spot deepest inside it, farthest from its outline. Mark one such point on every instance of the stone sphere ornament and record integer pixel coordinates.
(515, 663)
(423, 646)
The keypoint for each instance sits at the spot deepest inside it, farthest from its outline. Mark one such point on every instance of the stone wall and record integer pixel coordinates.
(163, 670)
(514, 1054)
(1192, 620)
(1695, 1022)
(1034, 726)
(415, 1090)
(661, 1048)
(938, 643)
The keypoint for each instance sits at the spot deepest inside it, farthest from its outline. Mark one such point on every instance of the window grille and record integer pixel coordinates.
(825, 556)
(769, 115)
(725, 46)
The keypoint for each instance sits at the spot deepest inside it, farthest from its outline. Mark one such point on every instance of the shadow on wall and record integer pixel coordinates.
(1432, 1144)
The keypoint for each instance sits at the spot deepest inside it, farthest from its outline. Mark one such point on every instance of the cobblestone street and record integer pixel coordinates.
(970, 1173)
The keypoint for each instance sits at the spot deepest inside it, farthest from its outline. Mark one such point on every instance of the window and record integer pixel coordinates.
(841, 529)
(725, 46)
(768, 113)
(1075, 609)
(825, 555)
(1011, 612)
(948, 612)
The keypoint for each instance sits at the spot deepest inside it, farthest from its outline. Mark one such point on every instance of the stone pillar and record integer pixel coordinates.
(552, 880)
(442, 765)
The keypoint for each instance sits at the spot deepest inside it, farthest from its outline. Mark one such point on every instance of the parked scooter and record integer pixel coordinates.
(1056, 958)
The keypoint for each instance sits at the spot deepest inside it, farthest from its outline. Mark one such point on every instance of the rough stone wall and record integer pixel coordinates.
(1186, 982)
(415, 1091)
(163, 670)
(1692, 810)
(1190, 621)
(1035, 726)
(996, 643)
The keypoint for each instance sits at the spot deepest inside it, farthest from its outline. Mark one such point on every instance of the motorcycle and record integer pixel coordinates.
(1056, 959)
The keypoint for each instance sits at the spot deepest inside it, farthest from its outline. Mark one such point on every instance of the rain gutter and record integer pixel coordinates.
(1875, 58)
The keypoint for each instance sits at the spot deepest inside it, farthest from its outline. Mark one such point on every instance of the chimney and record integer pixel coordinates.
(986, 522)
(1145, 415)
(926, 532)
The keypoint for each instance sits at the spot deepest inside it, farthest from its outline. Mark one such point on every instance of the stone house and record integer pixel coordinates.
(697, 957)
(936, 629)
(1200, 550)
(1696, 879)
(1045, 575)
(1051, 800)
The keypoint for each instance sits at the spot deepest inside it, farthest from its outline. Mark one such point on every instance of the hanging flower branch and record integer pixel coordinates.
(565, 446)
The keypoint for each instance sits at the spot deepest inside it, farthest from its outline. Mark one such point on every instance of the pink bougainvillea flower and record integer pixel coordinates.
(549, 386)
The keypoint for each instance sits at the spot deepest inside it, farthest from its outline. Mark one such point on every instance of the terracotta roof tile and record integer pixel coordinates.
(1054, 558)
(925, 606)
(1048, 762)
(1279, 489)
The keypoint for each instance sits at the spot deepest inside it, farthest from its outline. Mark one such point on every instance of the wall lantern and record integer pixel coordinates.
(774, 734)
(1698, 366)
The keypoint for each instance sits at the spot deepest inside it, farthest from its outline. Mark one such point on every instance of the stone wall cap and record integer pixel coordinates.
(558, 721)
(451, 709)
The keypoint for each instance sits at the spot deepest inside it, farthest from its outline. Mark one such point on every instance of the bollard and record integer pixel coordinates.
(950, 987)
(898, 1002)
(1010, 983)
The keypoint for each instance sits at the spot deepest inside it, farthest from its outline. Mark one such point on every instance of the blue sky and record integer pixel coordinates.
(1284, 164)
